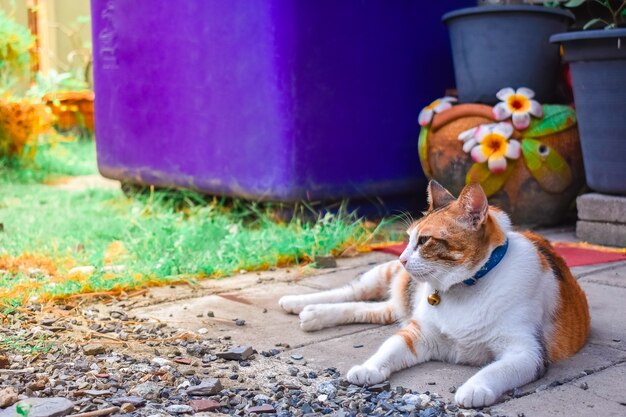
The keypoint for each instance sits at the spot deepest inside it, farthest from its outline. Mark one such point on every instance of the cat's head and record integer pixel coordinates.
(454, 237)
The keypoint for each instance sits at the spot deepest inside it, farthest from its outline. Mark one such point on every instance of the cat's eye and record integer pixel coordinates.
(422, 240)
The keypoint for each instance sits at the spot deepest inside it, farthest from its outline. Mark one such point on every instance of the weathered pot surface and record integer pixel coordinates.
(528, 201)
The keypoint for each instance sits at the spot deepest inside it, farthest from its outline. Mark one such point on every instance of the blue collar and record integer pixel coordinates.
(496, 256)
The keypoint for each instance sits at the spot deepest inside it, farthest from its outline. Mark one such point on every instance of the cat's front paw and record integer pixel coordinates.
(364, 375)
(473, 395)
(292, 304)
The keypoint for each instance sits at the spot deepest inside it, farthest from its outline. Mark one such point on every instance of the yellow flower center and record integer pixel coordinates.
(494, 144)
(433, 105)
(518, 103)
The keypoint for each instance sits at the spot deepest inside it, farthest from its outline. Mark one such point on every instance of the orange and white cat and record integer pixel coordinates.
(467, 289)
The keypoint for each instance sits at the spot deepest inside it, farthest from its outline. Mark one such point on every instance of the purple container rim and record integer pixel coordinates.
(446, 18)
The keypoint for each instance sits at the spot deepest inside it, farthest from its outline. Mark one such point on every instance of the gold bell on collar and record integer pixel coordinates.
(434, 298)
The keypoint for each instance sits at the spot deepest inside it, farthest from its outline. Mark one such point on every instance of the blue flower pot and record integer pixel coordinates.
(597, 61)
(505, 46)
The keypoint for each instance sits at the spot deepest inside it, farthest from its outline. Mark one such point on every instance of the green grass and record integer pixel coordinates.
(159, 237)
(26, 344)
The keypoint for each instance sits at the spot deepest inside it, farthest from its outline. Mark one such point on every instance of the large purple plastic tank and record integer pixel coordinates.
(267, 99)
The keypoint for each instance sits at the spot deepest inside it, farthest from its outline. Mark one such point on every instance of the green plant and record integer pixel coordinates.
(610, 15)
(54, 82)
(16, 43)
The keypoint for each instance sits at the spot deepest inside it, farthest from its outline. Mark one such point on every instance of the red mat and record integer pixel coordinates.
(575, 254)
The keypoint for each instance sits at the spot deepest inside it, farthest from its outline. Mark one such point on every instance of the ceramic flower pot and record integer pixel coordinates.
(73, 109)
(494, 46)
(531, 168)
(21, 123)
(597, 61)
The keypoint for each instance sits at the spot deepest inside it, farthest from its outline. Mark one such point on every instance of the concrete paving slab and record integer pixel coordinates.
(440, 377)
(609, 384)
(558, 234)
(340, 353)
(85, 182)
(587, 270)
(604, 397)
(608, 310)
(245, 280)
(615, 276)
(338, 278)
(265, 323)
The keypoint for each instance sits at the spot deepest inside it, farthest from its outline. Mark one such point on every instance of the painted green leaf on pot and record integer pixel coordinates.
(546, 165)
(555, 118)
(422, 147)
(490, 182)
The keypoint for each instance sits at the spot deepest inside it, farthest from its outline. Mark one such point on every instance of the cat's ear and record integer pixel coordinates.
(474, 203)
(438, 196)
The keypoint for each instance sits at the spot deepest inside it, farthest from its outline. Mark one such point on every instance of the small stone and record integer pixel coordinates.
(297, 357)
(204, 405)
(8, 397)
(96, 392)
(236, 353)
(262, 409)
(179, 409)
(93, 349)
(431, 412)
(207, 387)
(160, 361)
(411, 399)
(183, 361)
(424, 399)
(127, 408)
(383, 386)
(38, 384)
(327, 388)
(357, 346)
(210, 314)
(452, 389)
(203, 330)
(584, 386)
(293, 371)
(617, 340)
(148, 390)
(4, 361)
(240, 322)
(135, 401)
(41, 407)
(325, 262)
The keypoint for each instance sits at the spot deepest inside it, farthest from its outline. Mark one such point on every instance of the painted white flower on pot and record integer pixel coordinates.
(437, 106)
(491, 143)
(517, 104)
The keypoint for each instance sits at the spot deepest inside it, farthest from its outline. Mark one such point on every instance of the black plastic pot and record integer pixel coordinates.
(598, 66)
(505, 46)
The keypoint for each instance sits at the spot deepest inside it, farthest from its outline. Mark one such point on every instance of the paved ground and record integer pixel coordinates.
(591, 383)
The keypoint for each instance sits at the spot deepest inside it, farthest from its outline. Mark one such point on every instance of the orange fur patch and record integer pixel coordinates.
(410, 334)
(571, 319)
(383, 317)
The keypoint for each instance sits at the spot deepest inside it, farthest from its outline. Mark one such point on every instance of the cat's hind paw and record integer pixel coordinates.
(292, 304)
(363, 375)
(316, 317)
(473, 395)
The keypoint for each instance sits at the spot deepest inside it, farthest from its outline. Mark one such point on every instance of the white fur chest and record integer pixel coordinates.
(508, 304)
